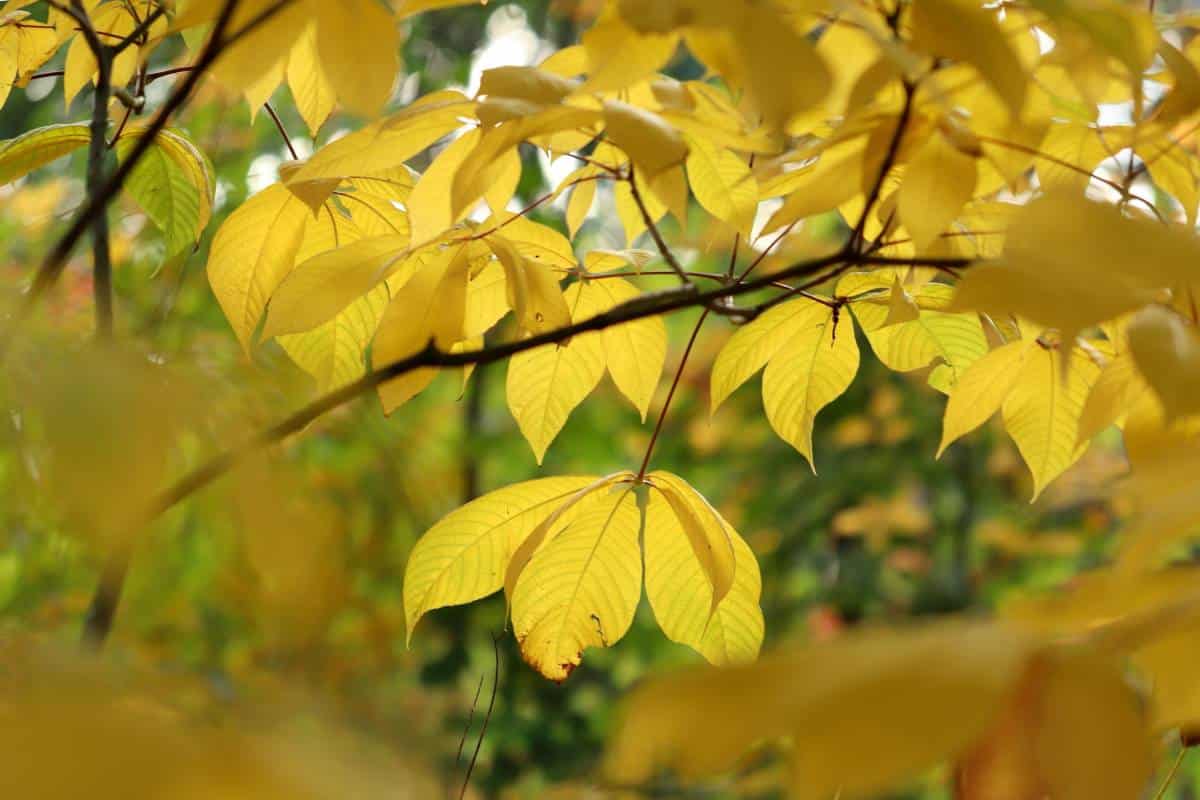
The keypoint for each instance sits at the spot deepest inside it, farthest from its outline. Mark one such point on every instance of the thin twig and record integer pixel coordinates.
(1166, 784)
(662, 415)
(486, 718)
(287, 140)
(652, 227)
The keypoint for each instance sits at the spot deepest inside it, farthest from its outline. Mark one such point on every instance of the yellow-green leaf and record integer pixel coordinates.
(754, 344)
(954, 341)
(38, 147)
(166, 194)
(463, 557)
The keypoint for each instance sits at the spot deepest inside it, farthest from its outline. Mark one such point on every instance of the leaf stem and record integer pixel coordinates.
(287, 140)
(662, 415)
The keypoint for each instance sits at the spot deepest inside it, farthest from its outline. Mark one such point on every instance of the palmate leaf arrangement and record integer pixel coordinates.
(1037, 262)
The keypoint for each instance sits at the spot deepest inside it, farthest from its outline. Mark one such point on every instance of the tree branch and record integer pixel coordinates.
(54, 263)
(99, 618)
(97, 150)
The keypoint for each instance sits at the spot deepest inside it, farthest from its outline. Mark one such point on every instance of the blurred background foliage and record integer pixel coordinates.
(287, 577)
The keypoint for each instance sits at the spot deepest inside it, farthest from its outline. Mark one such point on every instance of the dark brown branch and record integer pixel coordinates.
(97, 150)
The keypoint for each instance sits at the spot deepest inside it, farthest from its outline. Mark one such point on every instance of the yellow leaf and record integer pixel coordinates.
(581, 588)
(680, 590)
(901, 306)
(484, 165)
(384, 145)
(333, 352)
(487, 299)
(314, 95)
(322, 286)
(252, 252)
(981, 390)
(634, 351)
(651, 143)
(359, 48)
(1048, 273)
(429, 308)
(723, 184)
(1042, 410)
(545, 384)
(938, 182)
(80, 66)
(24, 48)
(954, 340)
(754, 344)
(583, 195)
(835, 180)
(965, 32)
(463, 557)
(864, 712)
(1092, 740)
(533, 291)
(551, 526)
(537, 242)
(811, 370)
(711, 542)
(619, 57)
(256, 53)
(1117, 392)
(1167, 353)
(526, 83)
(1073, 728)
(628, 211)
(429, 206)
